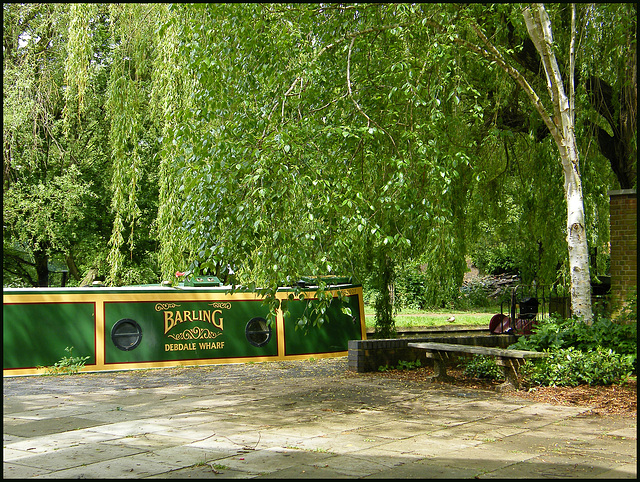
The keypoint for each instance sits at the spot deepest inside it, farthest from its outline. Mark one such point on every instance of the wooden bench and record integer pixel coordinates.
(509, 360)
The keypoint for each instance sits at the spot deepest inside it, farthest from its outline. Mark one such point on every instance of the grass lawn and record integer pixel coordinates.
(408, 317)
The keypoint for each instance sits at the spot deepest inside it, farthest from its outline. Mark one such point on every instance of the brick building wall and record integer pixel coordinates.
(624, 242)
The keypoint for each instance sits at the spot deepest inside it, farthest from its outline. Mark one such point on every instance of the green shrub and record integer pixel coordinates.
(495, 259)
(602, 353)
(481, 366)
(547, 334)
(402, 365)
(554, 333)
(572, 367)
(67, 364)
(411, 289)
(408, 365)
(415, 288)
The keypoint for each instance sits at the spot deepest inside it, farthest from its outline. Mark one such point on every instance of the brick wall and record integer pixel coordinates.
(624, 243)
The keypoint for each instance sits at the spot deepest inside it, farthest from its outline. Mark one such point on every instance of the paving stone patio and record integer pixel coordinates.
(306, 419)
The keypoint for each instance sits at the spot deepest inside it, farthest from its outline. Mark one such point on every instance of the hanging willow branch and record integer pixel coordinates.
(171, 86)
(369, 120)
(127, 100)
(79, 50)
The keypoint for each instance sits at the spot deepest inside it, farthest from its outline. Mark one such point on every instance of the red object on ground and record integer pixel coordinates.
(500, 324)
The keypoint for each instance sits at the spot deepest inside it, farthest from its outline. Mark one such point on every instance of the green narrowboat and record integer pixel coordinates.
(198, 322)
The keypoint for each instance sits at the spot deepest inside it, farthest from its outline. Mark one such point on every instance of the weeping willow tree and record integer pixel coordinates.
(278, 141)
(388, 79)
(331, 160)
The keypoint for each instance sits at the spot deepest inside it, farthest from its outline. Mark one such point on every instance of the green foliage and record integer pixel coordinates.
(282, 141)
(481, 366)
(547, 334)
(495, 259)
(598, 354)
(408, 365)
(67, 364)
(286, 174)
(555, 333)
(384, 275)
(413, 289)
(410, 289)
(418, 287)
(516, 214)
(45, 214)
(572, 367)
(143, 271)
(316, 310)
(402, 365)
(132, 138)
(473, 295)
(53, 191)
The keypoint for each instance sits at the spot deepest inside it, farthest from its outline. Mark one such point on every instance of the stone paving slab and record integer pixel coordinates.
(306, 419)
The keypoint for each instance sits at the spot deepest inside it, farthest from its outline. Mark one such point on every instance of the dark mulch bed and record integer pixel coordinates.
(605, 400)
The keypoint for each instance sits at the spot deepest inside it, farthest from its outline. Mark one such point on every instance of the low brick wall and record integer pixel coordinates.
(368, 355)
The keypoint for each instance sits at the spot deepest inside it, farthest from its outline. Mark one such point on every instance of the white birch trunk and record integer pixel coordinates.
(539, 28)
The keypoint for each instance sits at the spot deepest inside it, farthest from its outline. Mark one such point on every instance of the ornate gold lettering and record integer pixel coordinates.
(179, 346)
(169, 321)
(172, 319)
(211, 345)
(213, 319)
(195, 333)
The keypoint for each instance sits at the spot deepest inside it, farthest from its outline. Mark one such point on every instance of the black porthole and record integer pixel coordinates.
(258, 332)
(126, 334)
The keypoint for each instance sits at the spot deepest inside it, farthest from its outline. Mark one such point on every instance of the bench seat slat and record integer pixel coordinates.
(478, 350)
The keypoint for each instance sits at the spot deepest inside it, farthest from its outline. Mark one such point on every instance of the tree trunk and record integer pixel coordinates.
(385, 324)
(562, 130)
(73, 269)
(42, 267)
(577, 239)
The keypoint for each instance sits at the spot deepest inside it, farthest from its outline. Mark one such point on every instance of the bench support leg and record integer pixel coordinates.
(510, 368)
(439, 367)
